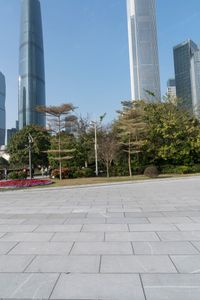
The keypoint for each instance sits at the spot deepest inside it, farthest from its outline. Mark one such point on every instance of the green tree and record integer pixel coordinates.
(131, 129)
(59, 118)
(18, 146)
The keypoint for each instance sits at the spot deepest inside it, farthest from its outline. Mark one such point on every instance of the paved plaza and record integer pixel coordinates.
(129, 241)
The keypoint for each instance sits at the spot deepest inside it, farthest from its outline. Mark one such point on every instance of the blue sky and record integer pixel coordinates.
(86, 50)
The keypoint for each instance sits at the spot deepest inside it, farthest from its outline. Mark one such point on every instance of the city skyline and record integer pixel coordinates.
(143, 50)
(88, 65)
(31, 65)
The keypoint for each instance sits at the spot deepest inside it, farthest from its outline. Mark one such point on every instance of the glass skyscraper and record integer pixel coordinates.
(187, 74)
(31, 65)
(2, 109)
(143, 50)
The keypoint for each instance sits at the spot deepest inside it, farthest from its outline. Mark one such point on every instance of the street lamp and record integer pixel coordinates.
(30, 142)
(95, 142)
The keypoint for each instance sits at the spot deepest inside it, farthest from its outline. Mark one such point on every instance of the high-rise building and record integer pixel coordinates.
(187, 74)
(2, 109)
(143, 50)
(171, 88)
(31, 65)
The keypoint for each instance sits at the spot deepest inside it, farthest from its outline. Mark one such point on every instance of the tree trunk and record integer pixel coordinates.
(107, 169)
(129, 158)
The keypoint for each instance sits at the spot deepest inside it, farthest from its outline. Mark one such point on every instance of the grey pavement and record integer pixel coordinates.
(128, 241)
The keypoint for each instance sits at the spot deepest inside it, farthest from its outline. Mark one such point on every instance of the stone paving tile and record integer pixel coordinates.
(17, 228)
(105, 227)
(14, 263)
(27, 286)
(65, 264)
(43, 248)
(127, 221)
(143, 214)
(187, 263)
(27, 237)
(130, 236)
(196, 244)
(165, 248)
(6, 246)
(170, 220)
(86, 221)
(97, 248)
(78, 237)
(59, 228)
(137, 264)
(189, 227)
(11, 221)
(179, 236)
(44, 221)
(152, 227)
(98, 286)
(171, 286)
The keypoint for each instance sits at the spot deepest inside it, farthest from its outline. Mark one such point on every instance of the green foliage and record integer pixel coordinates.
(18, 147)
(84, 172)
(65, 172)
(3, 163)
(180, 169)
(17, 175)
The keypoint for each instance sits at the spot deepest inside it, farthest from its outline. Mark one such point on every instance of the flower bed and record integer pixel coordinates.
(24, 183)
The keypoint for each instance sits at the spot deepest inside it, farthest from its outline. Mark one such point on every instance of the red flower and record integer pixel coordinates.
(24, 183)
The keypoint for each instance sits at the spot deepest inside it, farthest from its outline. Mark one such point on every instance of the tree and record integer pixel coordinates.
(18, 146)
(59, 118)
(173, 135)
(131, 129)
(108, 147)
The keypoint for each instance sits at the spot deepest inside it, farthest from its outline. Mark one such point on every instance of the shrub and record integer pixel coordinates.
(151, 172)
(178, 169)
(85, 172)
(64, 173)
(17, 175)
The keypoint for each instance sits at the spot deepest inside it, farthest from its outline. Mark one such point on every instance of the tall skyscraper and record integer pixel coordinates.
(143, 50)
(31, 65)
(2, 109)
(187, 74)
(171, 87)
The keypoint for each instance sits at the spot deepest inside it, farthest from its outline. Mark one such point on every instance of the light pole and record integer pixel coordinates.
(30, 141)
(96, 144)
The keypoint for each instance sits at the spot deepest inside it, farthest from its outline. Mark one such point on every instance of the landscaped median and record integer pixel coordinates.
(24, 183)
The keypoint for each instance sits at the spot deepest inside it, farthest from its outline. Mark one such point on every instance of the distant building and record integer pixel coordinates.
(31, 65)
(187, 74)
(12, 131)
(2, 109)
(143, 50)
(171, 88)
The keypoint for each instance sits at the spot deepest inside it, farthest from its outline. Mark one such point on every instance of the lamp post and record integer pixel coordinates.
(30, 142)
(95, 142)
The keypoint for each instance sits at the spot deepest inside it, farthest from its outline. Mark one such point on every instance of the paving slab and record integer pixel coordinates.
(26, 286)
(42, 248)
(187, 263)
(78, 237)
(137, 264)
(27, 237)
(131, 236)
(5, 247)
(98, 286)
(14, 263)
(93, 248)
(171, 286)
(164, 248)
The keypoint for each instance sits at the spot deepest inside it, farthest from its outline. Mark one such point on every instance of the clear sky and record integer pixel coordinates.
(86, 50)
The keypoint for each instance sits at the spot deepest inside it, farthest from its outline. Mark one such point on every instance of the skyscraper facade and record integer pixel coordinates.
(31, 65)
(187, 74)
(143, 50)
(2, 109)
(171, 88)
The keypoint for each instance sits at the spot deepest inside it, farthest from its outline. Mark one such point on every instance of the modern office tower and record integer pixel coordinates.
(187, 74)
(2, 109)
(12, 131)
(31, 65)
(143, 50)
(171, 88)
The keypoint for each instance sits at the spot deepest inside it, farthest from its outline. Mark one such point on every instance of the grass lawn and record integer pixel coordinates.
(101, 180)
